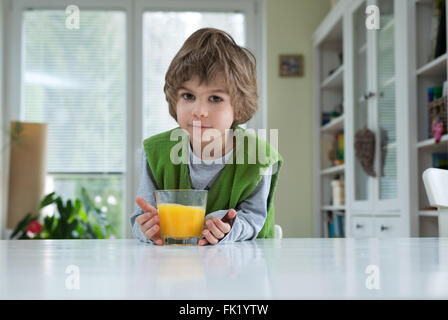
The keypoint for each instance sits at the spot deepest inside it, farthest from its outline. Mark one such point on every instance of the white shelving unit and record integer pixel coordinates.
(329, 93)
(430, 72)
(383, 82)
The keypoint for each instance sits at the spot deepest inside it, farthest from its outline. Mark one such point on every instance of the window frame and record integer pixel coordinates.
(254, 11)
(3, 158)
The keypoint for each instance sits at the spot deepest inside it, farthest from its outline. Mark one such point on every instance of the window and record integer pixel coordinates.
(75, 81)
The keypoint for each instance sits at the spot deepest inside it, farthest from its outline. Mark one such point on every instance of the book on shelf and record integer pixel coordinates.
(326, 118)
(332, 149)
(437, 113)
(335, 223)
(338, 149)
(339, 223)
(440, 47)
(340, 145)
(331, 232)
(440, 160)
(438, 30)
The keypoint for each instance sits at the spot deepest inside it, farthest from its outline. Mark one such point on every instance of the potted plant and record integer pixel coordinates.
(77, 219)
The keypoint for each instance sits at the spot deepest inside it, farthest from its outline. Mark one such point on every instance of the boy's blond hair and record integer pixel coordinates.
(206, 53)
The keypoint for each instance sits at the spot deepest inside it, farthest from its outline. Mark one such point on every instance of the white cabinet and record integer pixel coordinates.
(372, 103)
(386, 227)
(383, 82)
(362, 226)
(375, 226)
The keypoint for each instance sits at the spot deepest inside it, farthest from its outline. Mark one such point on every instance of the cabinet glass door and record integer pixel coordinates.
(361, 116)
(386, 110)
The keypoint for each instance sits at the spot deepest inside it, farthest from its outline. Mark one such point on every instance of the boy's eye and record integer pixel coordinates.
(215, 99)
(187, 96)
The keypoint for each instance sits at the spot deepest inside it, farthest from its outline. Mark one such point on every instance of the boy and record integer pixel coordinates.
(211, 87)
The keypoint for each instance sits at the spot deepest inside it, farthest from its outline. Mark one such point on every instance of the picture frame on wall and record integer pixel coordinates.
(291, 65)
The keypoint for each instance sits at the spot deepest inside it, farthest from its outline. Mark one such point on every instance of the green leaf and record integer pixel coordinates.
(110, 230)
(80, 230)
(49, 199)
(61, 209)
(69, 209)
(83, 215)
(22, 225)
(78, 206)
(98, 232)
(48, 223)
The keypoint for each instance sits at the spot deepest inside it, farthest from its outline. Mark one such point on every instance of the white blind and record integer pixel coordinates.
(75, 80)
(163, 35)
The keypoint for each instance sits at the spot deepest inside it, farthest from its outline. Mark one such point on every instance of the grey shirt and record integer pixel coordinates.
(250, 214)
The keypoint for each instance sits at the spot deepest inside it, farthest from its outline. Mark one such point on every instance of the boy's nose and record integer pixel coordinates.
(200, 110)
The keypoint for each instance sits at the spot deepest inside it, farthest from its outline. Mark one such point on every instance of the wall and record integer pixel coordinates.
(2, 173)
(290, 26)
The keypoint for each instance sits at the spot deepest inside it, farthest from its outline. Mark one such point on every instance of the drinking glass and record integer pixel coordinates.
(181, 214)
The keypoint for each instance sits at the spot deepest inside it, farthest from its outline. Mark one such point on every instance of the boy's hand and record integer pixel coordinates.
(216, 229)
(149, 221)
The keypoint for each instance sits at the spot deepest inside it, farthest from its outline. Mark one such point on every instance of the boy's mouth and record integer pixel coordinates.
(200, 127)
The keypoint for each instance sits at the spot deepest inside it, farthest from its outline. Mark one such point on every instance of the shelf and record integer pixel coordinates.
(334, 125)
(335, 80)
(428, 213)
(333, 170)
(332, 208)
(430, 143)
(436, 67)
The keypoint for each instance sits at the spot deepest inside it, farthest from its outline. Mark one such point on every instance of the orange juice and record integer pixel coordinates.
(179, 221)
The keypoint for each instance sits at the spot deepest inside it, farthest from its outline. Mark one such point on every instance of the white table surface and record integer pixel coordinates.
(408, 268)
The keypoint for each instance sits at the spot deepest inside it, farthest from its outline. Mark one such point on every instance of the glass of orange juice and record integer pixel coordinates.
(181, 214)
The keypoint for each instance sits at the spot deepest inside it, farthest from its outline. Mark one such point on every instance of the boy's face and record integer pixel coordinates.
(207, 104)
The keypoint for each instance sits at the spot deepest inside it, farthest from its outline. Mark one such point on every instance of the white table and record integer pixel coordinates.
(408, 268)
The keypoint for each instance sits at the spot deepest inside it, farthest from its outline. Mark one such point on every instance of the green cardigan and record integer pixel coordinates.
(237, 180)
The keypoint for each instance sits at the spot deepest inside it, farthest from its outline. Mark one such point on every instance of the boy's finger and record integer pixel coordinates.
(214, 229)
(210, 238)
(157, 240)
(202, 242)
(151, 231)
(231, 214)
(141, 219)
(144, 205)
(148, 224)
(223, 226)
